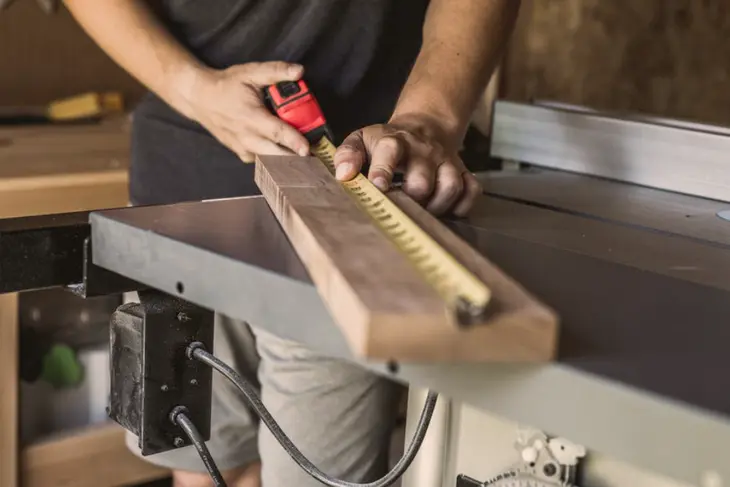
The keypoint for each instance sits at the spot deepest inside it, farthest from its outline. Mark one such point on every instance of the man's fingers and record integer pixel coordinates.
(384, 158)
(269, 73)
(449, 186)
(472, 190)
(280, 132)
(247, 157)
(350, 157)
(419, 179)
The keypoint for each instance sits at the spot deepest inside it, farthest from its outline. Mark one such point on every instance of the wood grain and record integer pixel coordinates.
(95, 457)
(385, 309)
(56, 169)
(65, 193)
(348, 258)
(519, 327)
(9, 383)
(27, 151)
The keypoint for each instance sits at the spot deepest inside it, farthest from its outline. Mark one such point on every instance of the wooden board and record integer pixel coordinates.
(95, 457)
(9, 384)
(65, 193)
(57, 169)
(30, 151)
(384, 308)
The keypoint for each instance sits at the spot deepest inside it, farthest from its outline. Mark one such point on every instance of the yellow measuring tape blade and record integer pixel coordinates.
(461, 290)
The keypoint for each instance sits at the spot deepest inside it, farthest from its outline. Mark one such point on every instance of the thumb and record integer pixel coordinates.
(350, 157)
(269, 73)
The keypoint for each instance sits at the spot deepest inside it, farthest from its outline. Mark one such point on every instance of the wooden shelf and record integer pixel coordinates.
(94, 457)
(58, 169)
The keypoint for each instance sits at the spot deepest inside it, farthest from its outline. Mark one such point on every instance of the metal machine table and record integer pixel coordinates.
(640, 278)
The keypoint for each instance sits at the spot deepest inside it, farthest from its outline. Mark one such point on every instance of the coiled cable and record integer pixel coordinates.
(197, 351)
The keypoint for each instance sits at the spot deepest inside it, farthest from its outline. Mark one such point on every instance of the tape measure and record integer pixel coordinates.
(463, 293)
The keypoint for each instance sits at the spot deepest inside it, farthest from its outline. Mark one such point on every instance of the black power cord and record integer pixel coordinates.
(196, 351)
(179, 417)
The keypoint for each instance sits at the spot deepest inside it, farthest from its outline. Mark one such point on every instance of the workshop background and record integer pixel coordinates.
(663, 57)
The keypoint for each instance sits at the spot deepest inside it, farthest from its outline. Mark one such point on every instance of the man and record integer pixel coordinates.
(398, 81)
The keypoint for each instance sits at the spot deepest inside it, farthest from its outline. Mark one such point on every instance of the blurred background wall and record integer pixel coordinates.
(43, 58)
(665, 57)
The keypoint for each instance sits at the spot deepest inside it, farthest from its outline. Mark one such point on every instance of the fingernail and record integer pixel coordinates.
(343, 170)
(304, 152)
(381, 183)
(296, 69)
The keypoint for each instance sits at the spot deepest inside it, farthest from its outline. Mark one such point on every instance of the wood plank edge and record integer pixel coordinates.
(507, 340)
(530, 319)
(112, 176)
(532, 342)
(301, 238)
(9, 388)
(66, 460)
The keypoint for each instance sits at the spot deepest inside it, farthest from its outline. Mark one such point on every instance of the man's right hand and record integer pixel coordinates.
(229, 104)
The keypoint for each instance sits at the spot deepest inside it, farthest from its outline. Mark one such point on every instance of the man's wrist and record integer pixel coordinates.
(440, 123)
(436, 102)
(183, 83)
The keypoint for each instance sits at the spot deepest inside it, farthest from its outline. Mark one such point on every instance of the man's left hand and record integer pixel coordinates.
(434, 174)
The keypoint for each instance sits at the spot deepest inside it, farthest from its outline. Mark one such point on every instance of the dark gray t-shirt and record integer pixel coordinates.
(357, 55)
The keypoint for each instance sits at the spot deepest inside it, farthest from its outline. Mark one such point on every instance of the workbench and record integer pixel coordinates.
(637, 274)
(44, 170)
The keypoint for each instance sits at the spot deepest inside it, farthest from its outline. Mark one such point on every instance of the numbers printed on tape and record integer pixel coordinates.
(463, 292)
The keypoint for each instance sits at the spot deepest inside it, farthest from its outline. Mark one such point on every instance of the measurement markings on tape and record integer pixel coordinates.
(466, 295)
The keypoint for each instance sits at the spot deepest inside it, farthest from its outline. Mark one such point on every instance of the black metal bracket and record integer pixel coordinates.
(48, 251)
(151, 374)
(97, 281)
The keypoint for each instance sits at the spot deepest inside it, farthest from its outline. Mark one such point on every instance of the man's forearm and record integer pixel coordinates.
(463, 41)
(131, 35)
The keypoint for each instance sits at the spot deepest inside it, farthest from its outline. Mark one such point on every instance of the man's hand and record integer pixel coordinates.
(434, 175)
(462, 43)
(229, 105)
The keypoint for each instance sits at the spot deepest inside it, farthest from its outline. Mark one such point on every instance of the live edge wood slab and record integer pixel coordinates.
(384, 308)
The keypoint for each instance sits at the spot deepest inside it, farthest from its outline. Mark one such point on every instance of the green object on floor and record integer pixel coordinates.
(61, 367)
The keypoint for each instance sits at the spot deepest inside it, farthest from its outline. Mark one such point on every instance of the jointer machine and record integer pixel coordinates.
(619, 224)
